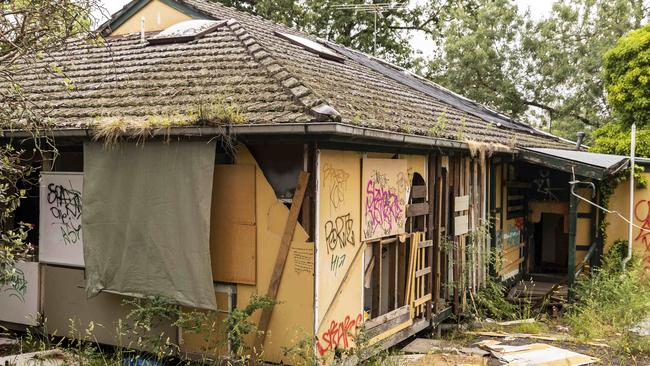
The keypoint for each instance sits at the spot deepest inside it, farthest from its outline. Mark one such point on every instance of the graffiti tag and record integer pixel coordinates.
(339, 233)
(65, 207)
(338, 334)
(336, 179)
(644, 233)
(384, 210)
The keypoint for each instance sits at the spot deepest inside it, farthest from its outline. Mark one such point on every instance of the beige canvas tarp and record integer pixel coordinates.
(146, 220)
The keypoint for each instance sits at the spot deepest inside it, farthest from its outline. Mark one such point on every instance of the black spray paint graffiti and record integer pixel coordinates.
(339, 233)
(65, 207)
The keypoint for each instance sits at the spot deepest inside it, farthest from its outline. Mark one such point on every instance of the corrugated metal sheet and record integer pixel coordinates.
(605, 161)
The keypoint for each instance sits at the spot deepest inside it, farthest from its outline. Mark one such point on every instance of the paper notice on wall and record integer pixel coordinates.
(60, 234)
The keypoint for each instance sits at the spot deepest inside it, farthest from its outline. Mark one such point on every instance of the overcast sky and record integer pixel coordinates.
(538, 9)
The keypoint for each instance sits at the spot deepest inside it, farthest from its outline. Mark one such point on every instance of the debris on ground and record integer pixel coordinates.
(427, 346)
(642, 328)
(538, 354)
(53, 357)
(444, 359)
(548, 338)
(7, 341)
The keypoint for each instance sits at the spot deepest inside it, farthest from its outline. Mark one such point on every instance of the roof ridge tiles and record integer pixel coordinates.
(303, 95)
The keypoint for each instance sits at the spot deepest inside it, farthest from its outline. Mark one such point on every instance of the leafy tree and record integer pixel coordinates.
(627, 77)
(29, 31)
(356, 27)
(614, 138)
(547, 70)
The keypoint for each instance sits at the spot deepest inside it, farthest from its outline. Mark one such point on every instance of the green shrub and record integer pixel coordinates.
(611, 301)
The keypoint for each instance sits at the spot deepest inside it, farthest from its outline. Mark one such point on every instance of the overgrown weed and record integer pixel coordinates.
(611, 301)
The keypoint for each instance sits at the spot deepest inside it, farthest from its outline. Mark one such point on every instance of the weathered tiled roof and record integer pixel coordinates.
(270, 79)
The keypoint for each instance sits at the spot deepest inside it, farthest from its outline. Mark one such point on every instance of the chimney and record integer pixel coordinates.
(142, 39)
(581, 137)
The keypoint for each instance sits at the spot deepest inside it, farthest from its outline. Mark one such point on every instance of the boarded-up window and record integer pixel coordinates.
(147, 220)
(233, 231)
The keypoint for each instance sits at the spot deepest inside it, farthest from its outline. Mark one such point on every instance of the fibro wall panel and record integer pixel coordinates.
(60, 233)
(22, 308)
(69, 313)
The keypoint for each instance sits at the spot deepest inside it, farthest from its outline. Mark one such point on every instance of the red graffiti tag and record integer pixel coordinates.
(644, 234)
(337, 334)
(382, 207)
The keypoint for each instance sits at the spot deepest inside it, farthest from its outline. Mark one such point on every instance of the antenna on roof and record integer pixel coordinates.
(374, 8)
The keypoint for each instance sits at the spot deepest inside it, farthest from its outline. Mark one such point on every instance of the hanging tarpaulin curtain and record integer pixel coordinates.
(146, 220)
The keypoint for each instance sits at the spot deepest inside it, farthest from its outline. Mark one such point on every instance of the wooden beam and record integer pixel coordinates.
(376, 280)
(417, 209)
(283, 252)
(419, 192)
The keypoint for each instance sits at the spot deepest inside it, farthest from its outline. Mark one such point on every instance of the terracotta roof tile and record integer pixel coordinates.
(270, 79)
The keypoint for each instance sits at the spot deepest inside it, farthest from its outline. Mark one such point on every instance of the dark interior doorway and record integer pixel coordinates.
(551, 244)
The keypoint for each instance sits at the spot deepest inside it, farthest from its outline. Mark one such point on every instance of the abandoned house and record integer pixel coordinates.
(206, 155)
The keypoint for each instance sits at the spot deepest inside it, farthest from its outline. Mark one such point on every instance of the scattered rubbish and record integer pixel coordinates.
(53, 357)
(442, 359)
(536, 354)
(7, 341)
(425, 345)
(512, 322)
(511, 336)
(642, 328)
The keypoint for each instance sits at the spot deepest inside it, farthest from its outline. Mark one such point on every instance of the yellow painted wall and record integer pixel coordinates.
(157, 16)
(292, 319)
(339, 186)
(340, 250)
(618, 229)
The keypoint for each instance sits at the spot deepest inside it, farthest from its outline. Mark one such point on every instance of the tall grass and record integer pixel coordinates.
(611, 301)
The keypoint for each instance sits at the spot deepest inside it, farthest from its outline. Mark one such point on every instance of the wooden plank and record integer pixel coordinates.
(512, 249)
(418, 191)
(387, 325)
(423, 271)
(377, 321)
(461, 225)
(376, 280)
(402, 270)
(417, 209)
(422, 300)
(425, 244)
(392, 269)
(283, 252)
(461, 203)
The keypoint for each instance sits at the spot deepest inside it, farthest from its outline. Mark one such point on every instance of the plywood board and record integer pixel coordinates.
(340, 250)
(292, 318)
(69, 313)
(233, 232)
(385, 188)
(22, 307)
(233, 194)
(233, 253)
(461, 203)
(60, 233)
(211, 339)
(461, 225)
